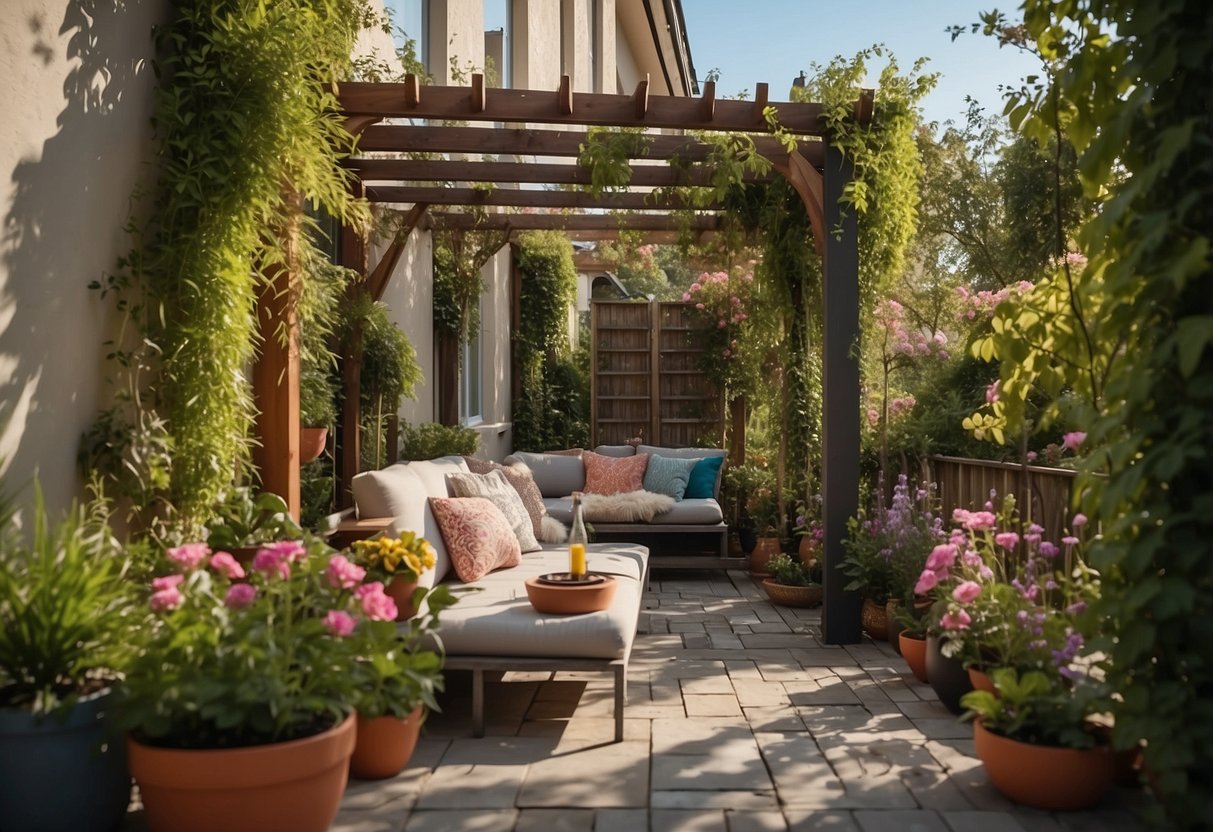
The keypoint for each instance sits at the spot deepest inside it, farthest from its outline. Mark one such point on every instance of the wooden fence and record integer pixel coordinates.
(1042, 495)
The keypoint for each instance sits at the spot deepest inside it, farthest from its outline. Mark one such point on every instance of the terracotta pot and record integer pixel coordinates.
(807, 550)
(894, 627)
(1045, 777)
(401, 591)
(311, 443)
(914, 651)
(981, 680)
(294, 785)
(875, 620)
(570, 599)
(385, 745)
(792, 596)
(947, 677)
(764, 550)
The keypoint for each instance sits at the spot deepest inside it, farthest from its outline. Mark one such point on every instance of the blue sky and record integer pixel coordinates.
(772, 40)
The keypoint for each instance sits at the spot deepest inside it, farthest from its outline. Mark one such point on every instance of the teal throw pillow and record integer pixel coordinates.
(666, 475)
(703, 478)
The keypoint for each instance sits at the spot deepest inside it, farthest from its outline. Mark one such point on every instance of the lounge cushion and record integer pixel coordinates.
(493, 486)
(400, 492)
(559, 508)
(477, 536)
(691, 511)
(520, 477)
(704, 478)
(556, 476)
(614, 475)
(616, 450)
(668, 475)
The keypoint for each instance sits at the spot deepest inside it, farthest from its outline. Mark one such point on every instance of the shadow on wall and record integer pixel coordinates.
(67, 204)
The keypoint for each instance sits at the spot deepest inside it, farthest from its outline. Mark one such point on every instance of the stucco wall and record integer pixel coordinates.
(456, 29)
(410, 300)
(77, 99)
(495, 430)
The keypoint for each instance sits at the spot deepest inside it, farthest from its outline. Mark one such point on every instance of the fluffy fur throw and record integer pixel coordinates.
(628, 507)
(552, 530)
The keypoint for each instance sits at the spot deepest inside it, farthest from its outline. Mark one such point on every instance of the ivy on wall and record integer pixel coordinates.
(248, 129)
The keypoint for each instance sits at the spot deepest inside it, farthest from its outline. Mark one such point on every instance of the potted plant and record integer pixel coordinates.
(240, 700)
(912, 639)
(762, 508)
(319, 301)
(431, 440)
(244, 520)
(808, 530)
(792, 584)
(398, 562)
(65, 623)
(1036, 741)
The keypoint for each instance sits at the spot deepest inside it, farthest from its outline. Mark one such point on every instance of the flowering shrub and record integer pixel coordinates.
(404, 557)
(278, 648)
(886, 550)
(722, 300)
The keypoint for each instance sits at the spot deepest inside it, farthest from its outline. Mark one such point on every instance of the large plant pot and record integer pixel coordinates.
(764, 550)
(875, 618)
(311, 443)
(894, 627)
(807, 550)
(294, 785)
(401, 591)
(67, 774)
(1045, 777)
(747, 539)
(981, 680)
(914, 651)
(947, 677)
(385, 745)
(792, 596)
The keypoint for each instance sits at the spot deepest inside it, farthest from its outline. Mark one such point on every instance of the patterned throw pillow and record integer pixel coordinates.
(523, 481)
(477, 536)
(666, 475)
(494, 486)
(614, 475)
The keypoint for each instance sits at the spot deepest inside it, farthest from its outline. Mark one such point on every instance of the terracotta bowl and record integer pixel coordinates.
(569, 599)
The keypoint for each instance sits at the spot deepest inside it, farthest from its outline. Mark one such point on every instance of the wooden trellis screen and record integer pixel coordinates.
(646, 377)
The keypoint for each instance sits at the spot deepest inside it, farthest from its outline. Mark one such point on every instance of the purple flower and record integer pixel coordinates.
(1049, 550)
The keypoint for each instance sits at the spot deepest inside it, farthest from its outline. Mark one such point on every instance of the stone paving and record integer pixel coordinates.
(738, 720)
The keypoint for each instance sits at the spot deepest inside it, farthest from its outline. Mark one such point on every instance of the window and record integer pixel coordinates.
(471, 378)
(410, 22)
(499, 39)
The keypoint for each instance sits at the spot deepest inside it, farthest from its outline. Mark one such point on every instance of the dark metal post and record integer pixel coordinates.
(840, 382)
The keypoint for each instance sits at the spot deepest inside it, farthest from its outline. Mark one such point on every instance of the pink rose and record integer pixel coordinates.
(165, 593)
(686, 296)
(188, 557)
(1073, 440)
(942, 557)
(340, 624)
(240, 596)
(226, 565)
(926, 582)
(342, 574)
(292, 551)
(272, 563)
(958, 620)
(966, 592)
(1007, 540)
(375, 605)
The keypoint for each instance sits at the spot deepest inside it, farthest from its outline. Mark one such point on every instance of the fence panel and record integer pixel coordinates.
(966, 483)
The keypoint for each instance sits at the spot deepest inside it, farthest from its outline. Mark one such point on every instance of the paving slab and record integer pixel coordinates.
(757, 800)
(555, 820)
(719, 771)
(900, 821)
(747, 821)
(460, 820)
(967, 821)
(612, 775)
(679, 820)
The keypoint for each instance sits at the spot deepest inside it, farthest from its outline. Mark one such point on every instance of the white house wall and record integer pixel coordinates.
(495, 429)
(77, 99)
(410, 300)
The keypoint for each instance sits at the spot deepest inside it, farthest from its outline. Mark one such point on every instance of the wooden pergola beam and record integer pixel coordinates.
(575, 222)
(434, 170)
(518, 198)
(644, 237)
(409, 100)
(535, 142)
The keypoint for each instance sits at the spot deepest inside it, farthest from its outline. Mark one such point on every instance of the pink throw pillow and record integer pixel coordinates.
(477, 536)
(612, 474)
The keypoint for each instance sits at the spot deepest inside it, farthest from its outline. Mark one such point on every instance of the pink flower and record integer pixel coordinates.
(942, 557)
(974, 521)
(958, 620)
(700, 307)
(375, 605)
(292, 551)
(226, 565)
(342, 574)
(1049, 550)
(1080, 519)
(1070, 540)
(272, 564)
(1073, 440)
(992, 392)
(686, 296)
(165, 593)
(966, 592)
(971, 559)
(1007, 540)
(240, 596)
(340, 624)
(188, 557)
(986, 573)
(1031, 456)
(927, 581)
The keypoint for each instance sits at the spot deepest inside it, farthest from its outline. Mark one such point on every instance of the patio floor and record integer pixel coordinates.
(738, 719)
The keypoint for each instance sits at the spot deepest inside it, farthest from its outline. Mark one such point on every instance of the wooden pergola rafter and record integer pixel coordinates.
(817, 170)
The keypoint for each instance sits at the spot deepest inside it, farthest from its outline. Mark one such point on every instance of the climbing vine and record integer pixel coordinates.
(248, 129)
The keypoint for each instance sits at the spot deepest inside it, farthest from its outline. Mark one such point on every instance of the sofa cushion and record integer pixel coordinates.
(559, 508)
(616, 450)
(691, 512)
(691, 453)
(477, 536)
(556, 476)
(494, 487)
(520, 477)
(399, 492)
(668, 475)
(705, 478)
(614, 475)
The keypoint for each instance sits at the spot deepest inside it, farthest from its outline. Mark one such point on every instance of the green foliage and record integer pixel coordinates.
(459, 255)
(246, 518)
(552, 411)
(1128, 84)
(608, 153)
(432, 440)
(248, 127)
(320, 298)
(790, 571)
(1033, 708)
(66, 614)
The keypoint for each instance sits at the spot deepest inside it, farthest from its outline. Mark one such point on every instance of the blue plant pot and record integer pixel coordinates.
(61, 775)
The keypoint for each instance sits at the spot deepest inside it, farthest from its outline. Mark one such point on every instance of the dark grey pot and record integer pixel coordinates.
(62, 775)
(947, 677)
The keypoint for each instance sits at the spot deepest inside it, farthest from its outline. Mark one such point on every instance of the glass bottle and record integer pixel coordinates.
(577, 542)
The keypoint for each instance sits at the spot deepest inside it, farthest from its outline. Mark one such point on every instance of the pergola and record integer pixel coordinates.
(817, 171)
